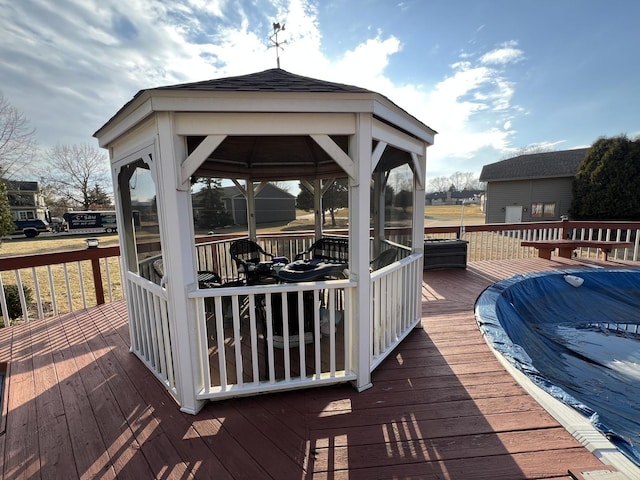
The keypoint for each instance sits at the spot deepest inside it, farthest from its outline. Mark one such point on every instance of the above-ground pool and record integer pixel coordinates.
(575, 334)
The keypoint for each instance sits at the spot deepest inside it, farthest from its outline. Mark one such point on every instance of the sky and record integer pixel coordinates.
(494, 78)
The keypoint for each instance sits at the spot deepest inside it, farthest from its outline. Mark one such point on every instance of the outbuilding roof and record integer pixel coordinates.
(563, 163)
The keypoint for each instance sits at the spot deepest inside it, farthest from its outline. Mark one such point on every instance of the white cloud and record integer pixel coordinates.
(507, 53)
(85, 62)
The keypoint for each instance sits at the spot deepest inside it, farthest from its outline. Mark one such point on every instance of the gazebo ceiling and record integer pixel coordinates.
(280, 158)
(269, 158)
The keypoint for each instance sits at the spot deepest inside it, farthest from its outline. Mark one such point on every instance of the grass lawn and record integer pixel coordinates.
(50, 243)
(437, 215)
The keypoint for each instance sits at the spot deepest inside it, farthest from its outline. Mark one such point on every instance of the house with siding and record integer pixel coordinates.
(26, 201)
(273, 204)
(531, 188)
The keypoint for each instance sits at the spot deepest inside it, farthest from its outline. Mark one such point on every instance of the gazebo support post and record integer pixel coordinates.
(379, 185)
(317, 207)
(359, 201)
(251, 210)
(174, 202)
(417, 232)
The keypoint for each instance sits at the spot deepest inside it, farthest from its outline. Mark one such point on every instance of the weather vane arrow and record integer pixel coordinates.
(274, 39)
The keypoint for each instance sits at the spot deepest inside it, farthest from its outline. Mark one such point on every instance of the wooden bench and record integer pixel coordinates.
(566, 247)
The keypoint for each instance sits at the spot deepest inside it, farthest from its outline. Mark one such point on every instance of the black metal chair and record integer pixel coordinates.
(327, 248)
(385, 258)
(247, 255)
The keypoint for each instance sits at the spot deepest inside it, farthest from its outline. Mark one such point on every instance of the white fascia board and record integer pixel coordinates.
(386, 133)
(398, 117)
(125, 121)
(264, 123)
(133, 140)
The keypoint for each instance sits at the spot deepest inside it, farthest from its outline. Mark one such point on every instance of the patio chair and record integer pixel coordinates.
(385, 258)
(327, 248)
(247, 256)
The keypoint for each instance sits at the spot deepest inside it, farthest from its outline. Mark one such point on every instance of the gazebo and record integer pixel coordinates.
(196, 320)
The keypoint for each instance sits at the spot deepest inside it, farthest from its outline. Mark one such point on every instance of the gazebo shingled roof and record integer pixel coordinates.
(284, 157)
(274, 79)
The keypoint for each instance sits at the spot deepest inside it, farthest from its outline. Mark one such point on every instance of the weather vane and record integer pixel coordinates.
(274, 39)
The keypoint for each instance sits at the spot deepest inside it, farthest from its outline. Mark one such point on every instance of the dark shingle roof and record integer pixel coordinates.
(564, 163)
(272, 80)
(269, 191)
(15, 185)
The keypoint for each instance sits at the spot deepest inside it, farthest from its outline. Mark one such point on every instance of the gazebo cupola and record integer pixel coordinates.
(196, 321)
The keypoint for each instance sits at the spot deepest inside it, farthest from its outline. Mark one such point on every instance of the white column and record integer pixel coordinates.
(317, 207)
(379, 185)
(177, 234)
(417, 240)
(359, 198)
(251, 210)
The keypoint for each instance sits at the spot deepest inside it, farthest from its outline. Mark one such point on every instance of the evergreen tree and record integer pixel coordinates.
(607, 184)
(210, 205)
(7, 227)
(98, 199)
(304, 200)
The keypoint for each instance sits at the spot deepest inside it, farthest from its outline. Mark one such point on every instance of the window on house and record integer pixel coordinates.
(22, 215)
(536, 210)
(549, 209)
(546, 209)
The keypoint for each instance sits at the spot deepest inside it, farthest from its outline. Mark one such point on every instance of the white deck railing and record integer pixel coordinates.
(249, 340)
(502, 241)
(395, 305)
(39, 286)
(150, 328)
(70, 281)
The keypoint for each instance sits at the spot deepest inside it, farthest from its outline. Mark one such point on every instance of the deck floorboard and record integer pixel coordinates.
(80, 405)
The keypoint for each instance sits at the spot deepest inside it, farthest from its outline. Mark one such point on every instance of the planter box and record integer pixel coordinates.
(445, 254)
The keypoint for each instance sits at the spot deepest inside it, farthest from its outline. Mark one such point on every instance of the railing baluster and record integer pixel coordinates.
(52, 290)
(108, 274)
(36, 287)
(3, 304)
(68, 284)
(81, 278)
(23, 300)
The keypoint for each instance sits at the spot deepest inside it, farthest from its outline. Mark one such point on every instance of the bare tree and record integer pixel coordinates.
(440, 184)
(457, 180)
(284, 186)
(76, 172)
(17, 140)
(470, 181)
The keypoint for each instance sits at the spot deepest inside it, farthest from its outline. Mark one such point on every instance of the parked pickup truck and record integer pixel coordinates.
(31, 228)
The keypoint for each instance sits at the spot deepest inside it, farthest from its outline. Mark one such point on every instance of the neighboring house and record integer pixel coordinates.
(531, 188)
(453, 198)
(26, 201)
(272, 205)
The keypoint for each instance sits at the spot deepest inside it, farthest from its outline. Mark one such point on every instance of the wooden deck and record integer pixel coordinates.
(79, 405)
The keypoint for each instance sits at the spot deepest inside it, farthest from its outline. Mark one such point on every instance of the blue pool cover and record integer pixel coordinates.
(576, 334)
